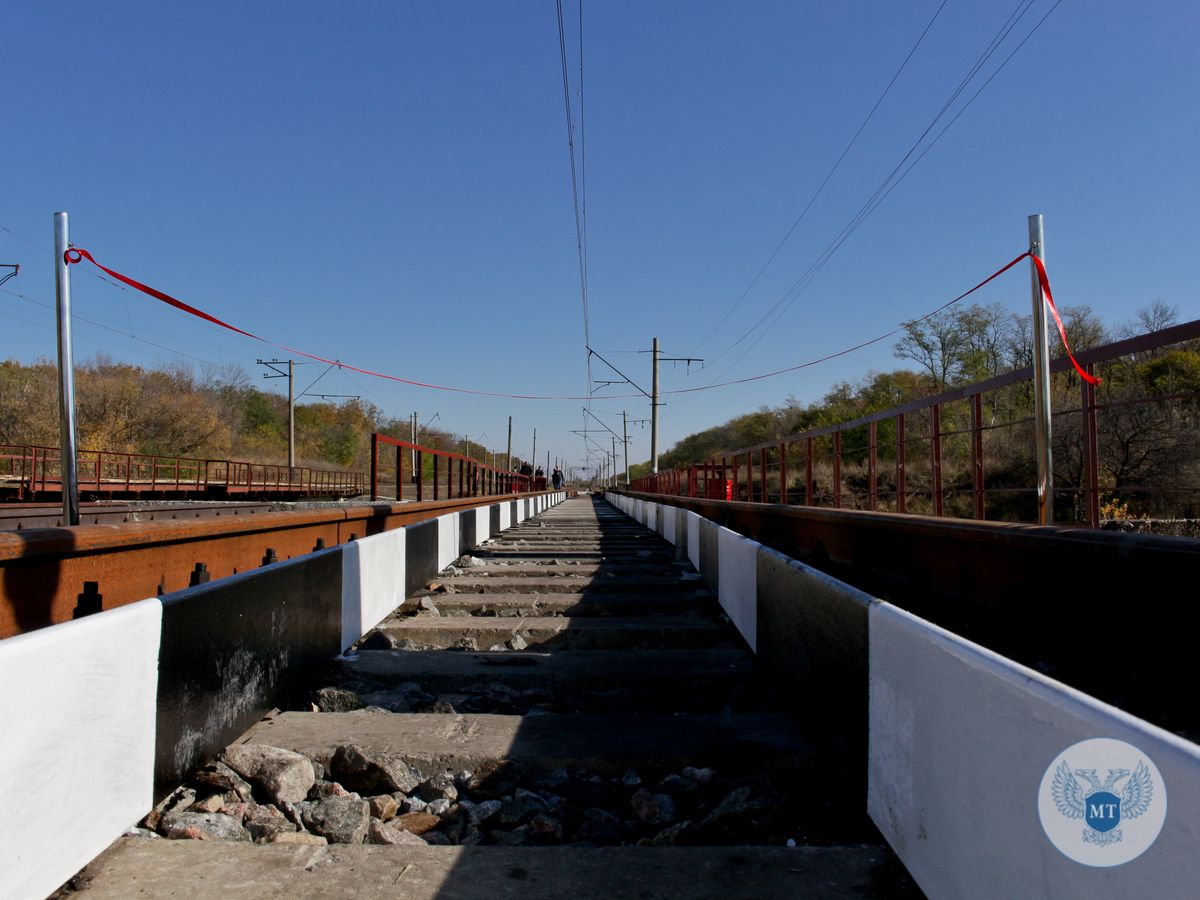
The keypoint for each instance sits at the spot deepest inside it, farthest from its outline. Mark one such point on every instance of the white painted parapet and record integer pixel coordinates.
(77, 756)
(373, 572)
(960, 738)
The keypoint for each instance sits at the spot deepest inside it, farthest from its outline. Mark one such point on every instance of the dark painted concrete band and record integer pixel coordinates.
(234, 649)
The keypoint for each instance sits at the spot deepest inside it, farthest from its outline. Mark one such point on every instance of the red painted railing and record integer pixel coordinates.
(426, 473)
(31, 472)
(934, 457)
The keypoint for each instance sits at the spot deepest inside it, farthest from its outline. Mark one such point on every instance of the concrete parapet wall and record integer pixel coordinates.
(77, 758)
(960, 738)
(108, 712)
(944, 742)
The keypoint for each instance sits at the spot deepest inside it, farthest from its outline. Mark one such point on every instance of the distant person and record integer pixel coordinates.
(539, 473)
(556, 478)
(526, 469)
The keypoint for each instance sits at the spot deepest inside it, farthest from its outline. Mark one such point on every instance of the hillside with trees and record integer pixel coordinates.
(212, 414)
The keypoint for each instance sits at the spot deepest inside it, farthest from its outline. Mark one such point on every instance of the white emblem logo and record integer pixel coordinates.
(1102, 819)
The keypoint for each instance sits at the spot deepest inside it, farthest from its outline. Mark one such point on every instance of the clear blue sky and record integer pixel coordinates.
(388, 184)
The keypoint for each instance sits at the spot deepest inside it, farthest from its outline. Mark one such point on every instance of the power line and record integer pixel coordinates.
(828, 176)
(97, 324)
(579, 221)
(894, 177)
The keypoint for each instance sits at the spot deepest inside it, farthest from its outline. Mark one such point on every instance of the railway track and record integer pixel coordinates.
(563, 712)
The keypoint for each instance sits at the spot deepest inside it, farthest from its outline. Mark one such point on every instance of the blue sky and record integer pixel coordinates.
(388, 184)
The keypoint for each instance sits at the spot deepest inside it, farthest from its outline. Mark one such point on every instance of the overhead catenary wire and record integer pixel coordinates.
(579, 220)
(828, 175)
(894, 177)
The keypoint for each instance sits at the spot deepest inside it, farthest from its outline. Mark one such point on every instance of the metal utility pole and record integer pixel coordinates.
(290, 375)
(616, 483)
(654, 404)
(508, 465)
(66, 372)
(1041, 380)
(625, 443)
(654, 412)
(533, 455)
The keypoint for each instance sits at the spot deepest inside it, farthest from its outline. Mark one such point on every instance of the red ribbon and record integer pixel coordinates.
(1044, 281)
(75, 255)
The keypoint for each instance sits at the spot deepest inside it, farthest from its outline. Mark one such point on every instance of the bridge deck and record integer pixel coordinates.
(591, 676)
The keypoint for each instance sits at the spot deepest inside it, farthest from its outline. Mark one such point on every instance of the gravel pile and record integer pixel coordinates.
(269, 795)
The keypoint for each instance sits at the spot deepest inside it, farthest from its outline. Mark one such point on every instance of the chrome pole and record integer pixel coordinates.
(654, 412)
(66, 372)
(1041, 381)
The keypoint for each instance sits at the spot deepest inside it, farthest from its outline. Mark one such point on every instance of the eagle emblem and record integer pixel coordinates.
(1102, 805)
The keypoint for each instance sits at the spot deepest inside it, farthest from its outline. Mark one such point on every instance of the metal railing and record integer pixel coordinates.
(30, 472)
(969, 452)
(426, 473)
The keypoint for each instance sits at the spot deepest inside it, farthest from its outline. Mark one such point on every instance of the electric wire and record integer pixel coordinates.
(888, 183)
(579, 246)
(829, 175)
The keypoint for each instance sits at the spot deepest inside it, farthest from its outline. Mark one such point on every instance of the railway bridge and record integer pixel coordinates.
(629, 694)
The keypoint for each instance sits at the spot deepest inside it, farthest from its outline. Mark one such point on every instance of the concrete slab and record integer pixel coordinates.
(559, 673)
(162, 868)
(578, 604)
(565, 584)
(561, 633)
(603, 744)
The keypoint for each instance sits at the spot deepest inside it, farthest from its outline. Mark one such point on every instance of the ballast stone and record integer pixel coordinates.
(283, 774)
(188, 825)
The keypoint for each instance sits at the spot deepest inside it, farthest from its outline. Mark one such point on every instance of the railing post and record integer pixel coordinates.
(872, 469)
(399, 474)
(762, 471)
(1042, 421)
(374, 466)
(936, 428)
(783, 473)
(419, 475)
(837, 470)
(1091, 456)
(977, 453)
(436, 486)
(808, 475)
(901, 499)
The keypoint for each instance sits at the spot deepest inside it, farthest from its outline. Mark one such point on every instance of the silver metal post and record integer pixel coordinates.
(66, 372)
(654, 413)
(291, 414)
(533, 455)
(508, 465)
(625, 443)
(1041, 381)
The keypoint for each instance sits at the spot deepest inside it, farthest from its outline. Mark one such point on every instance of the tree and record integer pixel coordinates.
(958, 345)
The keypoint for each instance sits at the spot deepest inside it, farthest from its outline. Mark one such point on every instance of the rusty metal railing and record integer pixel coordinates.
(415, 472)
(968, 452)
(30, 472)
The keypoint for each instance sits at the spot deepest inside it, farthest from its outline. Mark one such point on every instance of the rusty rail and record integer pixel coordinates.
(939, 452)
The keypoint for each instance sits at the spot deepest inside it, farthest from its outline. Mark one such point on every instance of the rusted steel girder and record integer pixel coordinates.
(43, 571)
